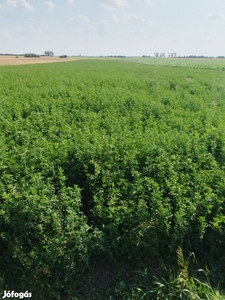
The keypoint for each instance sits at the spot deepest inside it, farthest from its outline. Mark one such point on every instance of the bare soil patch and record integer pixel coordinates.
(21, 60)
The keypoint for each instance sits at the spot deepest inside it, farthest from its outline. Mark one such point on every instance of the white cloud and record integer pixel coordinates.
(5, 34)
(3, 7)
(45, 23)
(106, 26)
(116, 19)
(127, 18)
(113, 4)
(83, 18)
(149, 2)
(106, 6)
(50, 6)
(24, 4)
(12, 3)
(20, 4)
(35, 30)
(70, 1)
(216, 16)
(133, 16)
(119, 3)
(18, 29)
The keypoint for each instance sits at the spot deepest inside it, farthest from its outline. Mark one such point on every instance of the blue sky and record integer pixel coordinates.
(113, 27)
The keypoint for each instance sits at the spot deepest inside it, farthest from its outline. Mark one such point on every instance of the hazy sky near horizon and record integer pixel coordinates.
(113, 27)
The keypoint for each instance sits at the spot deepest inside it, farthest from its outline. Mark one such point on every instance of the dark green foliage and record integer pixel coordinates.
(106, 164)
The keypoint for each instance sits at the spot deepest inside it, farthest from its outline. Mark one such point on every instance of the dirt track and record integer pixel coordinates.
(21, 60)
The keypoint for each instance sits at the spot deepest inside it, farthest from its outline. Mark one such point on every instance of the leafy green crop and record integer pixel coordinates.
(194, 63)
(105, 166)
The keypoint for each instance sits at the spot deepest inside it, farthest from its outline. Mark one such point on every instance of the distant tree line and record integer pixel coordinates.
(195, 56)
(200, 56)
(115, 56)
(31, 55)
(11, 54)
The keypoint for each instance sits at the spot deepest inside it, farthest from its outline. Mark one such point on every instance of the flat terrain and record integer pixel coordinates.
(21, 60)
(111, 176)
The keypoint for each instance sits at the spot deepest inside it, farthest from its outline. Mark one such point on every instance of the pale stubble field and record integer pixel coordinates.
(21, 60)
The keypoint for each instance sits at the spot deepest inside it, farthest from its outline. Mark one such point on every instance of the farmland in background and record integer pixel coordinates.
(112, 180)
(193, 63)
(6, 60)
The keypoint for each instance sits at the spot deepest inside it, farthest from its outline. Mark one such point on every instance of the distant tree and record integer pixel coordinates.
(31, 55)
(49, 53)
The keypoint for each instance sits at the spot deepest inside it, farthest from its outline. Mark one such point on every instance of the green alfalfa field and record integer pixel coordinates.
(112, 180)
